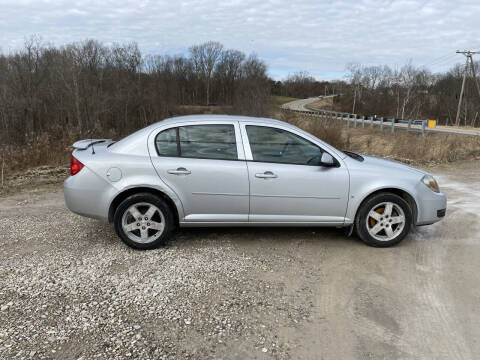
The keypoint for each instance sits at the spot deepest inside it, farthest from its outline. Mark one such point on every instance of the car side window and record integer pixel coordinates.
(211, 141)
(166, 143)
(208, 141)
(280, 146)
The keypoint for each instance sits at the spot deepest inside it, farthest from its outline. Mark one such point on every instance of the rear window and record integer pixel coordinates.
(216, 141)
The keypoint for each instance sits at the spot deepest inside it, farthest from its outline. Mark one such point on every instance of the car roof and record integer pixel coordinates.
(212, 117)
(209, 117)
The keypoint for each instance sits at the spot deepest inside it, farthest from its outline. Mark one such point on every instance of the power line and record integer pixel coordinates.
(445, 61)
(439, 60)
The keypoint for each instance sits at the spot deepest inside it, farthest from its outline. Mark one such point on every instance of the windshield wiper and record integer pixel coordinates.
(353, 155)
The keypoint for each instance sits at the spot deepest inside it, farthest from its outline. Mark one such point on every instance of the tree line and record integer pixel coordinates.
(88, 88)
(406, 92)
(413, 93)
(301, 85)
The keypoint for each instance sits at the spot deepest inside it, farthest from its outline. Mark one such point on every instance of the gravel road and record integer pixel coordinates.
(69, 289)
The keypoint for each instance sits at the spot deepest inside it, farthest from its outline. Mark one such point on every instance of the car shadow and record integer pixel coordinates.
(265, 235)
(261, 236)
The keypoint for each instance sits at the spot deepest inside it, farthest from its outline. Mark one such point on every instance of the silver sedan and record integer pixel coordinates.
(216, 170)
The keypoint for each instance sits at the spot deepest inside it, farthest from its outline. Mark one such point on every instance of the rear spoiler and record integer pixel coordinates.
(85, 144)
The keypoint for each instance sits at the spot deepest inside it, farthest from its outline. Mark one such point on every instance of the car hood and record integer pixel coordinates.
(388, 164)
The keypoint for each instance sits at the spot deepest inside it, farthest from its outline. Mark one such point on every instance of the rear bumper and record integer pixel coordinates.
(87, 194)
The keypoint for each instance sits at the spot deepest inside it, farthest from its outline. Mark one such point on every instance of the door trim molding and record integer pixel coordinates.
(300, 196)
(219, 194)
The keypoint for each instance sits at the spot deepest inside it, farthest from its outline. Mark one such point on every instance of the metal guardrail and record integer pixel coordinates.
(357, 120)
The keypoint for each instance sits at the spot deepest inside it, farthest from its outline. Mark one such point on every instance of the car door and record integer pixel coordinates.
(286, 183)
(204, 165)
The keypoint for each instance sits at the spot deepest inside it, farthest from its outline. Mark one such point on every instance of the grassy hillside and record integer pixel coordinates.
(280, 100)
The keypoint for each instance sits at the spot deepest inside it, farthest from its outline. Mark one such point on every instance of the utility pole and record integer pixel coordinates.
(469, 58)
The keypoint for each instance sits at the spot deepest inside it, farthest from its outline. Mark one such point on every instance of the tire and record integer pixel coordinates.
(152, 225)
(379, 228)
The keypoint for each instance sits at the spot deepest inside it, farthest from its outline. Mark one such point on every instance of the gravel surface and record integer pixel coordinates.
(69, 289)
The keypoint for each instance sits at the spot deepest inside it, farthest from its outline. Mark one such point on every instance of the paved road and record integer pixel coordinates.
(70, 289)
(302, 105)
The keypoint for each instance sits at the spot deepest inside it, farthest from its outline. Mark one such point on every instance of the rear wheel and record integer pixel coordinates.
(383, 220)
(143, 221)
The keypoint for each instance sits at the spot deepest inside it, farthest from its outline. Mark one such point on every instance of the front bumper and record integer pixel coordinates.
(432, 207)
(441, 213)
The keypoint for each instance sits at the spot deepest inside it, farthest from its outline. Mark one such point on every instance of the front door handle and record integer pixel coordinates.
(266, 175)
(179, 171)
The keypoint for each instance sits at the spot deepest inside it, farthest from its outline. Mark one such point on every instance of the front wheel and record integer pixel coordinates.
(383, 220)
(143, 221)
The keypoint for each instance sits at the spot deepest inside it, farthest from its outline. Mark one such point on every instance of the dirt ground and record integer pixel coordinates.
(69, 289)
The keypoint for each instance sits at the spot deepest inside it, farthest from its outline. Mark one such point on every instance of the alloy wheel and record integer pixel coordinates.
(143, 222)
(385, 221)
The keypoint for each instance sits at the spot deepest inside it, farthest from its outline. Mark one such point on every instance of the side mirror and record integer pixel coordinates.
(327, 160)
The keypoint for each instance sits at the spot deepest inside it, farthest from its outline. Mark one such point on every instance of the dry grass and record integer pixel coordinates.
(280, 100)
(321, 104)
(39, 151)
(44, 150)
(409, 148)
(31, 161)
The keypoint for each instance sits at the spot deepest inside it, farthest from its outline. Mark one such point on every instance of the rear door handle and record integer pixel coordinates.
(179, 171)
(266, 175)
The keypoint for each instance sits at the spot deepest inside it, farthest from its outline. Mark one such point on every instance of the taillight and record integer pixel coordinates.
(75, 166)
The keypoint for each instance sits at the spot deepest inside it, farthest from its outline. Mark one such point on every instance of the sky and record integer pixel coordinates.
(320, 37)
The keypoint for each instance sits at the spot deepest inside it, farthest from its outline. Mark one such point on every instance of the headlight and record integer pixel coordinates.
(430, 181)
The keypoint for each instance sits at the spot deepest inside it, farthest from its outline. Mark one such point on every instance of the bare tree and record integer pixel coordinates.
(355, 77)
(253, 88)
(205, 57)
(51, 95)
(228, 72)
